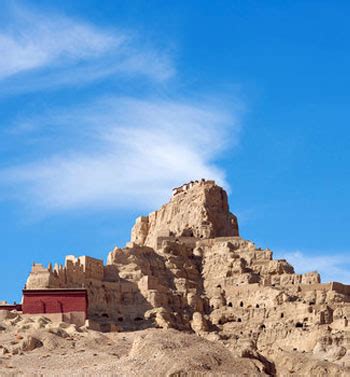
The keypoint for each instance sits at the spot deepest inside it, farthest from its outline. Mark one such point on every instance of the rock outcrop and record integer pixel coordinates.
(38, 346)
(187, 268)
(197, 209)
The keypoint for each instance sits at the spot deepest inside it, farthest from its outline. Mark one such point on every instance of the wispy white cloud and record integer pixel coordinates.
(125, 152)
(113, 151)
(331, 266)
(52, 50)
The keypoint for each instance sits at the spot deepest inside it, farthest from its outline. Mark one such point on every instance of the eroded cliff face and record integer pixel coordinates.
(198, 209)
(187, 268)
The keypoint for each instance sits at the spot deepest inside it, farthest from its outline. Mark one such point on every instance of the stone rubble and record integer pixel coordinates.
(187, 268)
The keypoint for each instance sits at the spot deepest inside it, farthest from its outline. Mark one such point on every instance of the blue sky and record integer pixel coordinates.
(107, 105)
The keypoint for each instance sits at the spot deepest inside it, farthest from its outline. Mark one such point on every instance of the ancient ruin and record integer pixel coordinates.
(187, 268)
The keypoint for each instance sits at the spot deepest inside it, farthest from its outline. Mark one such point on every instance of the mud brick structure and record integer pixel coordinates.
(187, 267)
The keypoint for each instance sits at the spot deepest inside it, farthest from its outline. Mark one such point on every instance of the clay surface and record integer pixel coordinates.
(188, 295)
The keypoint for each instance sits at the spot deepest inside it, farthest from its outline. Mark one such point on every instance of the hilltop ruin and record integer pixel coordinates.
(186, 267)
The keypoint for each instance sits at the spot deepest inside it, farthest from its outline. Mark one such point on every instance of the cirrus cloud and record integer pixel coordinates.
(40, 51)
(114, 150)
(125, 152)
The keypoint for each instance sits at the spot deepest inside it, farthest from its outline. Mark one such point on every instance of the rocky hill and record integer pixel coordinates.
(187, 269)
(197, 210)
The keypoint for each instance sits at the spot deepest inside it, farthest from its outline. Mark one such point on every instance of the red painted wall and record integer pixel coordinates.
(10, 307)
(54, 301)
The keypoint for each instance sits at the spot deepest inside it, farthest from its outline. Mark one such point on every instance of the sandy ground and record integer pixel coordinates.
(36, 347)
(39, 347)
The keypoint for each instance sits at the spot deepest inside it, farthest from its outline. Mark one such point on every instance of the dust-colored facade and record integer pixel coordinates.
(186, 267)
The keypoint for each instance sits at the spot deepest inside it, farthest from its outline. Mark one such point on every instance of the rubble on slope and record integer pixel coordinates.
(187, 268)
